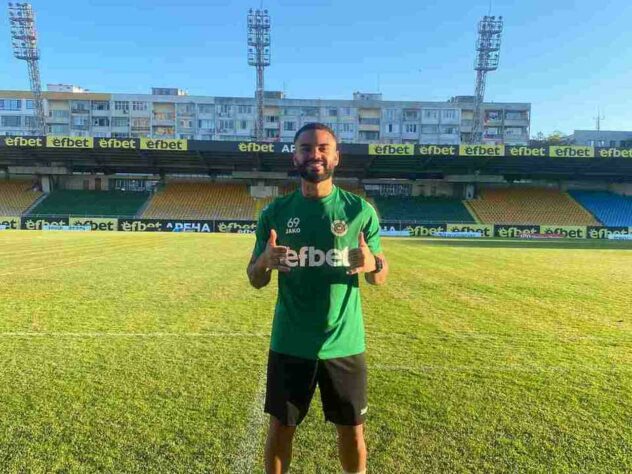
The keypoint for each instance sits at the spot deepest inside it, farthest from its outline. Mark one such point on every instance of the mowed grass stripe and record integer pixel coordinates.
(484, 357)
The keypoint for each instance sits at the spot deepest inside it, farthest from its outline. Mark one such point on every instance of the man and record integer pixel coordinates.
(319, 239)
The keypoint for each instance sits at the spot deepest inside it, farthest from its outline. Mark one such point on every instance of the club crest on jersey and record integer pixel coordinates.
(339, 228)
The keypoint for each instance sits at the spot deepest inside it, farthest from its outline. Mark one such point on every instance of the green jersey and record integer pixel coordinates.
(318, 313)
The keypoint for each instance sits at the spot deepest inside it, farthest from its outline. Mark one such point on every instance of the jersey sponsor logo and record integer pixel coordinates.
(293, 226)
(339, 228)
(313, 257)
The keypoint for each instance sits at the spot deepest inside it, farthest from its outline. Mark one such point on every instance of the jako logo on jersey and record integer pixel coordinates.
(339, 228)
(293, 226)
(313, 257)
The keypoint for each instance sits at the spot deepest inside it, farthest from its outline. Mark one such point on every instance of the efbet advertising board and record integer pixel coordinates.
(393, 149)
(95, 223)
(9, 222)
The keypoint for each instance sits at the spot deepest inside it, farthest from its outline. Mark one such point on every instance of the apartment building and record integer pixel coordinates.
(172, 113)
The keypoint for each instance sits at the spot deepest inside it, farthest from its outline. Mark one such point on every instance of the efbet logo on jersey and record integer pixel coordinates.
(339, 228)
(293, 226)
(313, 257)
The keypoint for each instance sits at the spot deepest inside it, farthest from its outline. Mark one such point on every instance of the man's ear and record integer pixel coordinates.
(337, 159)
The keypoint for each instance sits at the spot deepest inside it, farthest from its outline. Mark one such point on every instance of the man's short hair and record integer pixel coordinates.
(315, 126)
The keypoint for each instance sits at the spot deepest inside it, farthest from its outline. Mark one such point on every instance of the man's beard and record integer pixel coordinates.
(313, 176)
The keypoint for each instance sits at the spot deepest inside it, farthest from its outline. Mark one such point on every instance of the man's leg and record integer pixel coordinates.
(278, 453)
(351, 448)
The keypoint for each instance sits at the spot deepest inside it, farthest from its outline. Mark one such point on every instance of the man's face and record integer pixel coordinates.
(316, 155)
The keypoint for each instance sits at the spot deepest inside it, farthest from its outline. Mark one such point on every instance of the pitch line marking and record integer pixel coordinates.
(247, 454)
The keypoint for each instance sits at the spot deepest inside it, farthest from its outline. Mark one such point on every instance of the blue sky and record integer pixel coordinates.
(565, 57)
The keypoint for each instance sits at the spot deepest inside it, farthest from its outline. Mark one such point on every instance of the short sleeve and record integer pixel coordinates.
(371, 229)
(263, 232)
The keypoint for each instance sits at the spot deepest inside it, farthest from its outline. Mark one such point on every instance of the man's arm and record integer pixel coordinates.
(273, 258)
(362, 260)
(378, 278)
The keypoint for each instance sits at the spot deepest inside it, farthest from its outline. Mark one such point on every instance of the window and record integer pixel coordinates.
(411, 114)
(292, 111)
(491, 131)
(449, 130)
(80, 107)
(139, 106)
(271, 118)
(309, 112)
(122, 105)
(100, 105)
(390, 128)
(347, 127)
(80, 122)
(120, 122)
(272, 133)
(59, 114)
(164, 116)
(449, 114)
(58, 129)
(30, 104)
(164, 131)
(244, 109)
(185, 123)
(431, 114)
(29, 121)
(142, 122)
(515, 116)
(226, 125)
(243, 124)
(205, 124)
(186, 109)
(492, 115)
(100, 122)
(225, 109)
(206, 108)
(345, 111)
(10, 104)
(613, 143)
(11, 120)
(391, 114)
(289, 126)
(332, 112)
(369, 136)
(411, 128)
(429, 129)
(119, 135)
(369, 121)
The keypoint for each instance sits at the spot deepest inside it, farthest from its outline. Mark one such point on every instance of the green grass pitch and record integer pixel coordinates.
(144, 353)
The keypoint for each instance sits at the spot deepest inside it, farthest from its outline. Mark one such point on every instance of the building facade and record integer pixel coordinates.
(171, 113)
(601, 138)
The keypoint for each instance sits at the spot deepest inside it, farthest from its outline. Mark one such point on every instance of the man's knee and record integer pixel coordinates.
(279, 431)
(351, 435)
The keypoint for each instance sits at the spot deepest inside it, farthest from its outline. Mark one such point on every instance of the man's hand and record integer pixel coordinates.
(275, 256)
(361, 260)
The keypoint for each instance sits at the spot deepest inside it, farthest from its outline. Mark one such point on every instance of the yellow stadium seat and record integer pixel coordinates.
(529, 206)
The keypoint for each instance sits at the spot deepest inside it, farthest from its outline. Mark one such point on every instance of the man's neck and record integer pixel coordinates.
(317, 190)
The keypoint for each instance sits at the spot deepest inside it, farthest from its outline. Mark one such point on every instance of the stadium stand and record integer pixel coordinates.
(16, 197)
(423, 209)
(529, 206)
(196, 200)
(91, 203)
(611, 209)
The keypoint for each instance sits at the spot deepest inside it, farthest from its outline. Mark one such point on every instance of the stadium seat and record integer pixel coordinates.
(91, 203)
(423, 209)
(529, 206)
(16, 197)
(202, 200)
(611, 209)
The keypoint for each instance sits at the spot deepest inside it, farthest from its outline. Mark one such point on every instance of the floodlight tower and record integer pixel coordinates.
(24, 36)
(490, 29)
(259, 57)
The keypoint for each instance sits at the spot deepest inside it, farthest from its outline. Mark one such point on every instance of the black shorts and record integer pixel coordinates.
(292, 381)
